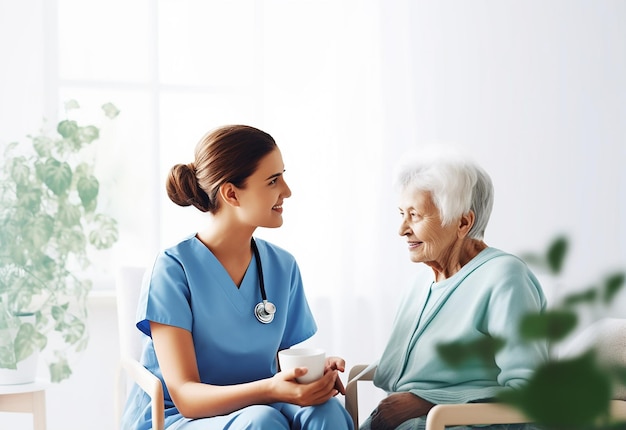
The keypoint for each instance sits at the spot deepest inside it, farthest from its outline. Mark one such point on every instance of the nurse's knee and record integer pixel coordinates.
(258, 417)
(331, 414)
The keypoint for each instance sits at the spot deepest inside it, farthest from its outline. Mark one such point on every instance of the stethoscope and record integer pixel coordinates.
(263, 311)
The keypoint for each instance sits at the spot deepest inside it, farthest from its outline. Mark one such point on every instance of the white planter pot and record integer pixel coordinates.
(26, 371)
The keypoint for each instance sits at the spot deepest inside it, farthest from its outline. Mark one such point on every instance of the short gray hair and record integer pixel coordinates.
(457, 185)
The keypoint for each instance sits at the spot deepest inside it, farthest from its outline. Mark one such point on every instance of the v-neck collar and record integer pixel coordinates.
(219, 277)
(449, 285)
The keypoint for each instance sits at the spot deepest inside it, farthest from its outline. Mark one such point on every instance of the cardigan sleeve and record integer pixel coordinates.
(516, 293)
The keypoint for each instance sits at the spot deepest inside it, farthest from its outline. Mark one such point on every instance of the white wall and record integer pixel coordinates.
(534, 89)
(22, 71)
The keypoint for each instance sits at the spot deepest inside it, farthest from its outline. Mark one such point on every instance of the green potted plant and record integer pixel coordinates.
(49, 223)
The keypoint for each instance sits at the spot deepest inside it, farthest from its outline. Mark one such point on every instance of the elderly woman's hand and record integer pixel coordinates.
(398, 408)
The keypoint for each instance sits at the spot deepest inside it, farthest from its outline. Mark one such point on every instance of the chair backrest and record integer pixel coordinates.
(128, 282)
(128, 285)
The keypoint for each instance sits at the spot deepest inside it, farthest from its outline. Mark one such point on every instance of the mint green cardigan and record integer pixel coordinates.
(487, 297)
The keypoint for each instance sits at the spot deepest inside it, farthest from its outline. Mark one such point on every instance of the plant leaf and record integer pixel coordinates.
(7, 357)
(110, 110)
(104, 233)
(59, 371)
(56, 175)
(73, 331)
(556, 254)
(67, 128)
(43, 146)
(587, 296)
(455, 353)
(68, 215)
(27, 341)
(29, 198)
(88, 134)
(20, 173)
(565, 394)
(535, 260)
(88, 187)
(72, 241)
(40, 231)
(552, 325)
(45, 267)
(71, 104)
(612, 285)
(64, 146)
(58, 313)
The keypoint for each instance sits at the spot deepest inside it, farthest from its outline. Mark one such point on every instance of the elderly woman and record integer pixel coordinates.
(474, 293)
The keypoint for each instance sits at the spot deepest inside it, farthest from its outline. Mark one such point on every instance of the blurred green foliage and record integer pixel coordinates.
(566, 394)
(569, 393)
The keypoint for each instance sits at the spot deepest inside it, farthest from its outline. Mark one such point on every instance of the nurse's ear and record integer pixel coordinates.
(229, 194)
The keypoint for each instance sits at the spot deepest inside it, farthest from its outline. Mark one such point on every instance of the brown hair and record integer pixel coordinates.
(226, 154)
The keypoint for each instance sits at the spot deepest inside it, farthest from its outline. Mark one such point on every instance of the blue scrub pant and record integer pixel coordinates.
(277, 416)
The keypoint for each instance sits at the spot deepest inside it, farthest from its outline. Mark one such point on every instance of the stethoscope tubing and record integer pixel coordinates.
(264, 311)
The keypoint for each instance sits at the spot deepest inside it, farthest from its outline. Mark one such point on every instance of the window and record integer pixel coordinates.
(175, 69)
(304, 71)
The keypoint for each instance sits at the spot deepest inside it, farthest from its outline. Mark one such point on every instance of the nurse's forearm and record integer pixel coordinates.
(198, 400)
(177, 358)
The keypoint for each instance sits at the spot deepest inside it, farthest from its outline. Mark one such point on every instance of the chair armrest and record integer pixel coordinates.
(358, 368)
(441, 416)
(618, 409)
(151, 385)
(352, 394)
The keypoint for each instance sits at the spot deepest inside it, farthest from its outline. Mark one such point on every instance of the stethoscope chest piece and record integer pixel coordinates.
(264, 312)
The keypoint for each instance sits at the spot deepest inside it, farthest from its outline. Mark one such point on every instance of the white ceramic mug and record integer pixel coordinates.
(311, 358)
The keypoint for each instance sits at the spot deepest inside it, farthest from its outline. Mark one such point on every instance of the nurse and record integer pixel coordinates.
(218, 306)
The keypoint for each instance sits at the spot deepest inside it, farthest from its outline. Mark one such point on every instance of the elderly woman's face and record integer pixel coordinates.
(428, 240)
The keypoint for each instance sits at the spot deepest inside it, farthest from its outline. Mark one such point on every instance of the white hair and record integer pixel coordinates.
(456, 184)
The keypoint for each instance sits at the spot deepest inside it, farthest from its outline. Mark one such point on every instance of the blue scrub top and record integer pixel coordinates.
(189, 288)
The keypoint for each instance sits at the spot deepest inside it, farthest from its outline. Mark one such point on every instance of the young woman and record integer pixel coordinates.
(218, 306)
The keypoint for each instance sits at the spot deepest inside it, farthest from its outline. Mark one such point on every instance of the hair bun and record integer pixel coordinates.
(182, 187)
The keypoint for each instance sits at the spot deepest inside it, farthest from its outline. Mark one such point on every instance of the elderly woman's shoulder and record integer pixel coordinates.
(502, 262)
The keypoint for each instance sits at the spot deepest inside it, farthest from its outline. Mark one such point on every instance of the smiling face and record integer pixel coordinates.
(260, 201)
(428, 241)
